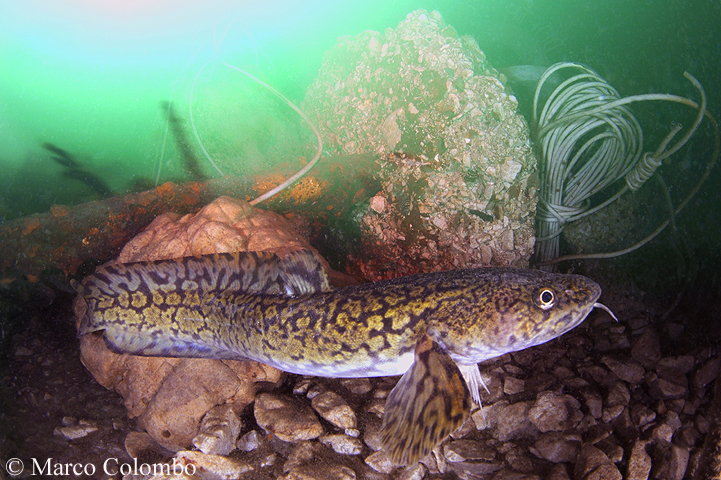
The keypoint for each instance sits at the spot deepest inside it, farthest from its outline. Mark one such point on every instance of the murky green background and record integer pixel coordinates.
(93, 78)
(90, 77)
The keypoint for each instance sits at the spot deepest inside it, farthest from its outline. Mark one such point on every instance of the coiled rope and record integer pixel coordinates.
(587, 139)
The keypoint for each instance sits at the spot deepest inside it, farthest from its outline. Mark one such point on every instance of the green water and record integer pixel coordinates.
(90, 78)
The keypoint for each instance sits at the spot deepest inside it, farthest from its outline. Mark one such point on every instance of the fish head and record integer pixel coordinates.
(510, 310)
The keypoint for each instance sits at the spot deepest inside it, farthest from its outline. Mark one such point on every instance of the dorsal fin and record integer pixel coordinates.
(427, 404)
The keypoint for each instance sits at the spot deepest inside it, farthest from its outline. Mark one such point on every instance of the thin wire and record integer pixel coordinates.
(319, 148)
(192, 119)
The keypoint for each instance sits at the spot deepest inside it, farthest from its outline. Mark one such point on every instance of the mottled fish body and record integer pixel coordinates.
(431, 328)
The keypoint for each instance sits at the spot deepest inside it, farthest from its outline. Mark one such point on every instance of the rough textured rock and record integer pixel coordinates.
(335, 409)
(670, 461)
(215, 467)
(510, 421)
(171, 395)
(647, 349)
(219, 430)
(74, 432)
(320, 472)
(618, 395)
(627, 370)
(593, 464)
(552, 412)
(456, 166)
(342, 444)
(557, 447)
(639, 463)
(380, 462)
(358, 386)
(415, 472)
(301, 454)
(707, 373)
(467, 450)
(194, 386)
(249, 442)
(285, 418)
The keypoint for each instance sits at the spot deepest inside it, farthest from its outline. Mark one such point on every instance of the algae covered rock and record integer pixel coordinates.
(455, 162)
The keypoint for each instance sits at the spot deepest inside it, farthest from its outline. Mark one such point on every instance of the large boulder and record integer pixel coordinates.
(455, 163)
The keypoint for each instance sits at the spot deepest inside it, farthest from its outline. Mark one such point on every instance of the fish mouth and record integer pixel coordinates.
(606, 309)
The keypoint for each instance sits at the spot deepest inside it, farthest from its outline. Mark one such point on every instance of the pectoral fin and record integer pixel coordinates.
(474, 380)
(427, 404)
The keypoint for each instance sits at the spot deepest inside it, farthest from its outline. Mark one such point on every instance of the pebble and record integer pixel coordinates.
(627, 370)
(68, 421)
(378, 203)
(513, 385)
(335, 409)
(618, 394)
(593, 402)
(74, 432)
(213, 466)
(372, 434)
(380, 462)
(315, 390)
(664, 389)
(320, 472)
(647, 349)
(414, 472)
(557, 447)
(357, 386)
(613, 450)
(669, 461)
(519, 460)
(301, 454)
(465, 450)
(342, 444)
(639, 463)
(553, 412)
(249, 442)
(596, 433)
(302, 387)
(707, 373)
(642, 415)
(140, 444)
(674, 367)
(687, 436)
(472, 470)
(219, 430)
(593, 464)
(285, 418)
(508, 421)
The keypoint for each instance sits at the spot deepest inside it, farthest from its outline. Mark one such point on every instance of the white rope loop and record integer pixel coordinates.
(587, 139)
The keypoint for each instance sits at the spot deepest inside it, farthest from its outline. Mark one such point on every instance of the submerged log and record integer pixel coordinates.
(66, 237)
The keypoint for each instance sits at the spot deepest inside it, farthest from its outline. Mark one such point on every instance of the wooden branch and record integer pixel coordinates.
(67, 237)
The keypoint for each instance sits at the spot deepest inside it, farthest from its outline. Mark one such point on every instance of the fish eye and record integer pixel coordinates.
(545, 298)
